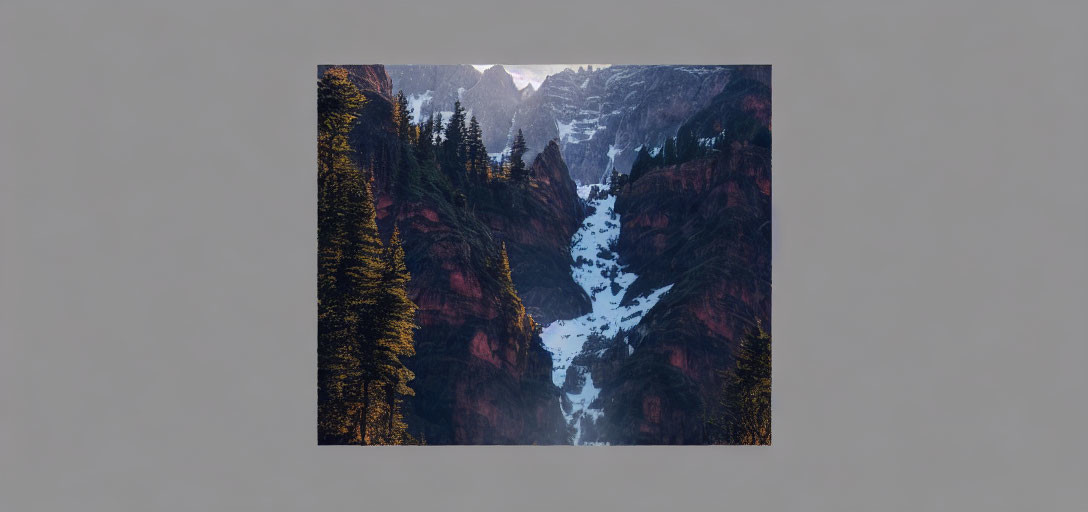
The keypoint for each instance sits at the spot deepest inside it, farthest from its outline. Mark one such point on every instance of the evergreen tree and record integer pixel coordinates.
(475, 153)
(439, 129)
(669, 151)
(616, 182)
(518, 172)
(500, 167)
(513, 309)
(363, 265)
(425, 141)
(687, 146)
(453, 148)
(395, 313)
(346, 250)
(364, 314)
(744, 415)
(643, 162)
(402, 117)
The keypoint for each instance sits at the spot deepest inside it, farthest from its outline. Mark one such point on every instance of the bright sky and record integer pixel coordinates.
(535, 73)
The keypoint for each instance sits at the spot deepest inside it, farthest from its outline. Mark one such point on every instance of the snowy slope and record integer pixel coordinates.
(597, 274)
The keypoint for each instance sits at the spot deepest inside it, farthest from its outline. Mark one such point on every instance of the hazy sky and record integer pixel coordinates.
(534, 73)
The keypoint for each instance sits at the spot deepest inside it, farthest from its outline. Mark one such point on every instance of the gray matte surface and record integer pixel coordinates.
(157, 264)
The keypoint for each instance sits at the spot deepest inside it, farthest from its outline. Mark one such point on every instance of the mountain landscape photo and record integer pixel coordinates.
(544, 254)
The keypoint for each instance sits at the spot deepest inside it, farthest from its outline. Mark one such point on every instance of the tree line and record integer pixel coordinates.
(685, 147)
(457, 146)
(365, 318)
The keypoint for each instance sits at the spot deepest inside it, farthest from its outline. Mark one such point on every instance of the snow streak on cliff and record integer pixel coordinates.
(596, 270)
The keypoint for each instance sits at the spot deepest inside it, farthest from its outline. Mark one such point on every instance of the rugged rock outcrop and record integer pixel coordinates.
(704, 226)
(537, 230)
(481, 376)
(599, 116)
(602, 116)
(493, 101)
(491, 96)
(433, 88)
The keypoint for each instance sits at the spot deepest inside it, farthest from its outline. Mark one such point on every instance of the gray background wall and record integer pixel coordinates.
(157, 261)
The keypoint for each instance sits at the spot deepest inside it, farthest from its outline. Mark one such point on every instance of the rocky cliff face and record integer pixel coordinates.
(433, 88)
(482, 377)
(599, 116)
(537, 229)
(493, 101)
(478, 379)
(491, 96)
(703, 226)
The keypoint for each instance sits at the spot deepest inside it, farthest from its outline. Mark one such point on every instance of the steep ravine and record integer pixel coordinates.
(576, 342)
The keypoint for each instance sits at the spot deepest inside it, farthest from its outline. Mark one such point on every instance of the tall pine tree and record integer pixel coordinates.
(669, 151)
(364, 314)
(347, 255)
(476, 160)
(393, 315)
(687, 146)
(402, 117)
(643, 162)
(744, 408)
(453, 148)
(518, 172)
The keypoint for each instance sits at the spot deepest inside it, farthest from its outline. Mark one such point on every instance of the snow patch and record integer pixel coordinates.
(598, 271)
(565, 130)
(416, 102)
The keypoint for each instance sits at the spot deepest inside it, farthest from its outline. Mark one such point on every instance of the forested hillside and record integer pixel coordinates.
(472, 295)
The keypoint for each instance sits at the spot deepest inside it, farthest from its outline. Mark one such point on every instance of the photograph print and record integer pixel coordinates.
(543, 254)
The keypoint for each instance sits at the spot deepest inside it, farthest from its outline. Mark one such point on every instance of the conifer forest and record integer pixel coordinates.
(543, 255)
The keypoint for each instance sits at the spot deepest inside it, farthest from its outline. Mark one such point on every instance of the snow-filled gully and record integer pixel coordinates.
(565, 338)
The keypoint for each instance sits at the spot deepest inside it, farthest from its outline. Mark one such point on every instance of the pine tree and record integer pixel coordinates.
(687, 146)
(425, 141)
(344, 253)
(453, 148)
(643, 162)
(402, 116)
(475, 153)
(517, 320)
(439, 129)
(744, 415)
(669, 151)
(504, 275)
(363, 263)
(395, 313)
(518, 172)
(616, 182)
(365, 318)
(501, 170)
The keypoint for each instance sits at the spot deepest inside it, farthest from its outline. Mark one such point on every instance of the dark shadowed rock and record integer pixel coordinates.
(705, 227)
(537, 234)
